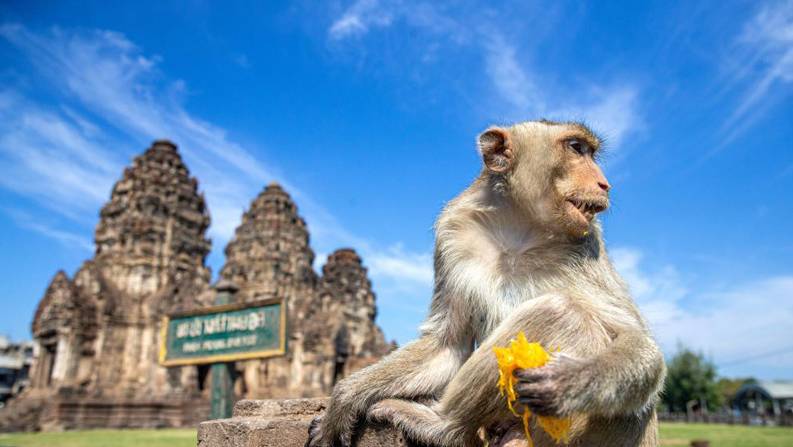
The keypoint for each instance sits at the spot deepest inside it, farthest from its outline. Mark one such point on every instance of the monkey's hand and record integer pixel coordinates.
(323, 433)
(336, 426)
(548, 389)
(320, 434)
(315, 438)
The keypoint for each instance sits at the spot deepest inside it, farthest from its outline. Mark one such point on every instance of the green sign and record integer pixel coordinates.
(224, 333)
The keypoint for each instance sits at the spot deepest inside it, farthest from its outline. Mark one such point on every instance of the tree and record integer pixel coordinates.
(690, 377)
(728, 387)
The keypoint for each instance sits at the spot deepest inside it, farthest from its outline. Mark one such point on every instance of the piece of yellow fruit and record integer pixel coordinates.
(520, 354)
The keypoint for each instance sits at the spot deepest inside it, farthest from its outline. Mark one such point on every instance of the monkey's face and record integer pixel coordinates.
(551, 173)
(579, 186)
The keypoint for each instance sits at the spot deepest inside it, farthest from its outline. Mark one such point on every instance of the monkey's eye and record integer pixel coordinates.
(579, 146)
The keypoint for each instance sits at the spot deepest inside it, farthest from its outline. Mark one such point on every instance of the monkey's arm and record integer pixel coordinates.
(421, 368)
(624, 379)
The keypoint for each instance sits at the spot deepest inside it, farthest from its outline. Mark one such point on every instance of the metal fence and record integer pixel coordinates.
(731, 418)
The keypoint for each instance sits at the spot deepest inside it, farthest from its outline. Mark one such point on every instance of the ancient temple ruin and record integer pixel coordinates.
(97, 334)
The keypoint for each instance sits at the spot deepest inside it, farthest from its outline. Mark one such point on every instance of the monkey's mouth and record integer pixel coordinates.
(587, 208)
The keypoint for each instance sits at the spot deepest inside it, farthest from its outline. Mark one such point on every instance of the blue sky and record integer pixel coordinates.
(367, 112)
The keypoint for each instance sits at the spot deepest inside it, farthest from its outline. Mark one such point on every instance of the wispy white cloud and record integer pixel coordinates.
(28, 222)
(358, 18)
(726, 323)
(395, 263)
(613, 112)
(764, 50)
(510, 79)
(403, 281)
(658, 292)
(49, 156)
(523, 89)
(364, 16)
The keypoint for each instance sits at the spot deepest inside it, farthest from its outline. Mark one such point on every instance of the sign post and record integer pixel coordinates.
(222, 334)
(222, 400)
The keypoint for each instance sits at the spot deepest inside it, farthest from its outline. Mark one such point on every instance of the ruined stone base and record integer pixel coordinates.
(69, 414)
(282, 423)
(56, 413)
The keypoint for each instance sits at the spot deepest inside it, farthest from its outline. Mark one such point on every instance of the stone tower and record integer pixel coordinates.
(270, 255)
(155, 218)
(346, 316)
(150, 251)
(330, 319)
(98, 335)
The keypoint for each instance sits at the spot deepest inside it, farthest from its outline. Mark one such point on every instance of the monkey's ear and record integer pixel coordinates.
(495, 145)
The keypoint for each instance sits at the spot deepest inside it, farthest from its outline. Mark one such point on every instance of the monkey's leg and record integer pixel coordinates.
(471, 400)
(419, 369)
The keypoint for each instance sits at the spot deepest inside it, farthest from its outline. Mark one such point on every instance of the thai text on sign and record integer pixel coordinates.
(224, 333)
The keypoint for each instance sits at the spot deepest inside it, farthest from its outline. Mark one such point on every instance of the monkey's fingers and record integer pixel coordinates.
(314, 432)
(541, 407)
(318, 436)
(533, 374)
(535, 390)
(315, 423)
(539, 397)
(535, 403)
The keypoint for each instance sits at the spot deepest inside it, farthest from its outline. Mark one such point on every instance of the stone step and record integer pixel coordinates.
(280, 408)
(252, 432)
(283, 423)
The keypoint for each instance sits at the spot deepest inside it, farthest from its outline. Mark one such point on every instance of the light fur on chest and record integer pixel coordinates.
(496, 269)
(492, 271)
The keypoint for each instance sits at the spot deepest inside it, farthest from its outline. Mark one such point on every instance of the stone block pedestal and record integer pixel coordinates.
(282, 423)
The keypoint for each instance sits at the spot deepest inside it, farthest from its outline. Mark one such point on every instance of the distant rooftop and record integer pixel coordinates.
(11, 361)
(778, 389)
(772, 389)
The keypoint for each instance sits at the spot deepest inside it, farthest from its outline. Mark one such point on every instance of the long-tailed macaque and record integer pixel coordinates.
(519, 250)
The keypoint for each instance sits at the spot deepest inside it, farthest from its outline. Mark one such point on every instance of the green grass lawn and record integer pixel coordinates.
(726, 435)
(671, 435)
(102, 438)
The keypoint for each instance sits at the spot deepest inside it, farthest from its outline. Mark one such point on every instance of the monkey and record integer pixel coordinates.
(521, 249)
